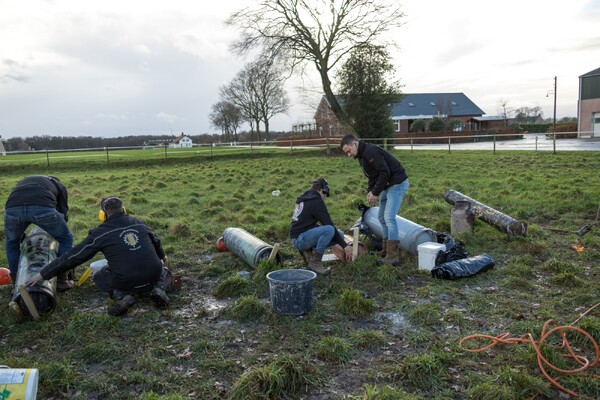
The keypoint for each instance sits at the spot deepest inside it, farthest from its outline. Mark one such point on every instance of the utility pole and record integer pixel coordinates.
(554, 104)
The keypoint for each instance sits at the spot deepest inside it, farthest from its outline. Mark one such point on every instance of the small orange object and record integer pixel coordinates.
(221, 244)
(577, 247)
(4, 276)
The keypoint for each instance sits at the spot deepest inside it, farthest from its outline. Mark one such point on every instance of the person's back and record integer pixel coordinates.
(43, 201)
(127, 245)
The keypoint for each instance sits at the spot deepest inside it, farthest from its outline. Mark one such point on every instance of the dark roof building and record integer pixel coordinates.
(588, 105)
(412, 107)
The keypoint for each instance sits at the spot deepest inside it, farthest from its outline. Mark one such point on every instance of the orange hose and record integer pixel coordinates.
(542, 361)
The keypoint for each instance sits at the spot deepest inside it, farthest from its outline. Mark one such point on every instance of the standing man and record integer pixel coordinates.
(388, 183)
(136, 259)
(312, 230)
(42, 201)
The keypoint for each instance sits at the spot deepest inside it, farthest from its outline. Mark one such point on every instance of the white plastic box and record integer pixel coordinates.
(428, 251)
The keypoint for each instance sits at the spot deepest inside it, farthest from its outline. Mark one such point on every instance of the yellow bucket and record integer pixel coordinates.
(18, 384)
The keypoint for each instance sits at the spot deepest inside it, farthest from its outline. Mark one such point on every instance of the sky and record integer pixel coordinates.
(117, 68)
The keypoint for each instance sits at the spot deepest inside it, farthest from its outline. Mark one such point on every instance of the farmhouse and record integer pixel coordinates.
(413, 107)
(588, 105)
(182, 141)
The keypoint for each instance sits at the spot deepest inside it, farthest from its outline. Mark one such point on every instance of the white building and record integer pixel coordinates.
(182, 141)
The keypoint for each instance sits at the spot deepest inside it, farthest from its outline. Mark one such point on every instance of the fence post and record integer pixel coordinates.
(554, 142)
(107, 160)
(165, 152)
(449, 142)
(328, 148)
(494, 144)
(47, 159)
(291, 146)
(251, 149)
(536, 140)
(411, 145)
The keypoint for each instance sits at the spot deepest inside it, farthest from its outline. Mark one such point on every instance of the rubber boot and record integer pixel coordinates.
(316, 265)
(383, 251)
(64, 282)
(158, 293)
(306, 255)
(392, 256)
(123, 301)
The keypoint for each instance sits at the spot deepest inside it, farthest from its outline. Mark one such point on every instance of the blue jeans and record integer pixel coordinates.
(318, 238)
(390, 201)
(16, 221)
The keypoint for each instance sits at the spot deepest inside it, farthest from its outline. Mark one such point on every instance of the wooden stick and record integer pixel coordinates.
(274, 251)
(355, 232)
(29, 302)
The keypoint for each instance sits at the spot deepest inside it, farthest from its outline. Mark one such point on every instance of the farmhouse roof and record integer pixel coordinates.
(430, 104)
(178, 138)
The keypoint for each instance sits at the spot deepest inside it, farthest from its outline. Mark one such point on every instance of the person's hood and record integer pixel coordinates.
(310, 194)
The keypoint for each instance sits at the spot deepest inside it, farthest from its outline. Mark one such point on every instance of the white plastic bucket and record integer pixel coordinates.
(428, 251)
(20, 383)
(98, 265)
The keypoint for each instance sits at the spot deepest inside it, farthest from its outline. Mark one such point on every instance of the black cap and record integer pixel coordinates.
(324, 185)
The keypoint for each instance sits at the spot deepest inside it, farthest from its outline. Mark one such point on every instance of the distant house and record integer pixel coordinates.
(588, 104)
(2, 150)
(182, 141)
(412, 107)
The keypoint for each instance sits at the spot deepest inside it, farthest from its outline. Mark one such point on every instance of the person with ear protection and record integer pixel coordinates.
(43, 201)
(312, 230)
(136, 260)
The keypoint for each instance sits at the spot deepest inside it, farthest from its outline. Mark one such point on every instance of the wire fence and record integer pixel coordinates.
(559, 141)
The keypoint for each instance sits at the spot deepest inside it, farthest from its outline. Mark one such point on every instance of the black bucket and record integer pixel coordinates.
(291, 290)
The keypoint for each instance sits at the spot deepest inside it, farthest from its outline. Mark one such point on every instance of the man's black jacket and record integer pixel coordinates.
(40, 190)
(132, 250)
(382, 168)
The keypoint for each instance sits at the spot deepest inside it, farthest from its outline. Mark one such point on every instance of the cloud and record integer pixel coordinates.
(168, 118)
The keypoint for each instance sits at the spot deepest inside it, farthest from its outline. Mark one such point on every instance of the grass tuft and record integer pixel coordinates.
(334, 349)
(233, 286)
(352, 302)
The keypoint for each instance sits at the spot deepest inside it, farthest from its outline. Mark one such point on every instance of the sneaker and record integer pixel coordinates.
(121, 306)
(159, 297)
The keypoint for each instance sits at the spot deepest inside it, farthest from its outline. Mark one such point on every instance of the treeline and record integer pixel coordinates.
(46, 142)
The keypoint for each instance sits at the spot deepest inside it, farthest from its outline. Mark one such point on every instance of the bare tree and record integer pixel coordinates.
(258, 92)
(504, 108)
(268, 81)
(227, 117)
(321, 32)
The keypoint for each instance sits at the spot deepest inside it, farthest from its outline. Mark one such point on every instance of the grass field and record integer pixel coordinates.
(375, 332)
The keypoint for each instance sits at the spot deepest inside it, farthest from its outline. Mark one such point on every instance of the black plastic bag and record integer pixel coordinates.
(453, 250)
(463, 268)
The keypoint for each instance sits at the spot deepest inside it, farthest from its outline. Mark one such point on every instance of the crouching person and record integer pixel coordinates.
(312, 230)
(136, 259)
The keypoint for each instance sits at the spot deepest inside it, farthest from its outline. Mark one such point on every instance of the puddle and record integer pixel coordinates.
(395, 322)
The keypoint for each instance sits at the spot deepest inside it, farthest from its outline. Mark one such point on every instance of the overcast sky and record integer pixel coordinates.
(117, 68)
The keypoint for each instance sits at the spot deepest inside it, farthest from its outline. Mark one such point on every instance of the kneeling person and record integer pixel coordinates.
(136, 259)
(312, 229)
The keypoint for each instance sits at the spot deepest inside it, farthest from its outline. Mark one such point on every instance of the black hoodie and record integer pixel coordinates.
(310, 212)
